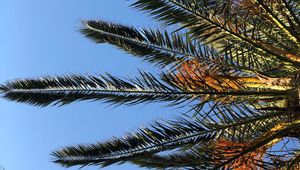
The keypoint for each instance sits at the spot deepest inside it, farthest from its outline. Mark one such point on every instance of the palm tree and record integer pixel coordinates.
(234, 64)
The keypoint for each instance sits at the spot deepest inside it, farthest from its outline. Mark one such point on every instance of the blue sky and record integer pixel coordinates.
(39, 38)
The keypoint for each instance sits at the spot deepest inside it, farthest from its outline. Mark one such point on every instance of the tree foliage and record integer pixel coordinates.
(234, 64)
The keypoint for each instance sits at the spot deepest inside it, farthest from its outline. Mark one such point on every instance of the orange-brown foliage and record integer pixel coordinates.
(195, 76)
(227, 149)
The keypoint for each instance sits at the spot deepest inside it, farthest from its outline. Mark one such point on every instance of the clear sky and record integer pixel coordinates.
(39, 38)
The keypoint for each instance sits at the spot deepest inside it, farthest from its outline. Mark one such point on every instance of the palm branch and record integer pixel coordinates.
(145, 88)
(144, 146)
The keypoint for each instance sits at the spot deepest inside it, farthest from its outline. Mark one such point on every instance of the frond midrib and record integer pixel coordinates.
(157, 92)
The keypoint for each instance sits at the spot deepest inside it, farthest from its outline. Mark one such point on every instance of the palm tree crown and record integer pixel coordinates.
(234, 64)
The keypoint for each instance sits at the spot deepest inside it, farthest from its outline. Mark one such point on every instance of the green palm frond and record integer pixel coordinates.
(158, 47)
(161, 136)
(66, 89)
(181, 134)
(161, 48)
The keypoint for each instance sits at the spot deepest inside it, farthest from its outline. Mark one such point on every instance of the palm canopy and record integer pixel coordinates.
(234, 64)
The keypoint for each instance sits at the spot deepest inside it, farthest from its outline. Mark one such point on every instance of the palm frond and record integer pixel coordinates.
(164, 49)
(159, 137)
(145, 88)
(66, 89)
(158, 47)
